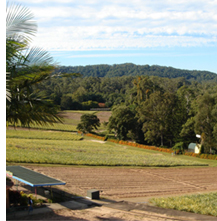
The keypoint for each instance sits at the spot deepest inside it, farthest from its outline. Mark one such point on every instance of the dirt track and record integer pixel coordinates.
(119, 183)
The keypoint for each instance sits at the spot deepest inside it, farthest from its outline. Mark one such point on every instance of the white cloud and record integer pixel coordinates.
(109, 24)
(101, 38)
(49, 13)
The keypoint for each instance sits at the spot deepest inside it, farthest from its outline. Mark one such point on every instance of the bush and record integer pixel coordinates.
(24, 200)
(178, 147)
(50, 201)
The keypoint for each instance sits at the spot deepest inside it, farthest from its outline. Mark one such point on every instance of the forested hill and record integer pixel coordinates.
(129, 69)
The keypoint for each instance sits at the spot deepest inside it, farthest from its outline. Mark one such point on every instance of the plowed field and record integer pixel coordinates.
(118, 183)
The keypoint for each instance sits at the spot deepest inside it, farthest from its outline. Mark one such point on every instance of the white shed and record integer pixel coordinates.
(193, 147)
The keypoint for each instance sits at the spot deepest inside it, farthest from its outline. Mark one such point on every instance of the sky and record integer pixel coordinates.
(177, 33)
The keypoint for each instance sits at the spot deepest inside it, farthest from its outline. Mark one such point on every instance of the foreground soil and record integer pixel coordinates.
(131, 184)
(119, 183)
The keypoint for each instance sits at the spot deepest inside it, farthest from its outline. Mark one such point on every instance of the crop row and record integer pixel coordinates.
(200, 203)
(86, 153)
(54, 127)
(44, 135)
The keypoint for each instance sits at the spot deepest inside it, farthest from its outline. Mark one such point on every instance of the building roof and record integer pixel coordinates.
(31, 177)
(192, 146)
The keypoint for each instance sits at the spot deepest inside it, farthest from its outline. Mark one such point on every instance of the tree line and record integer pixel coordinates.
(148, 109)
(85, 93)
(129, 69)
(167, 112)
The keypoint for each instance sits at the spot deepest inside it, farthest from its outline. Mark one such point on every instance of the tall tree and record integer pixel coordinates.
(122, 121)
(206, 120)
(157, 114)
(145, 86)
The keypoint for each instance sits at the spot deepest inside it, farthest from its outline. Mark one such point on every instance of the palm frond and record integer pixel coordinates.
(36, 56)
(26, 67)
(29, 76)
(34, 109)
(19, 23)
(8, 93)
(13, 52)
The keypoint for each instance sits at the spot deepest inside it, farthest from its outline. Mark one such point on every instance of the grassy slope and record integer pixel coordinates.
(71, 118)
(64, 148)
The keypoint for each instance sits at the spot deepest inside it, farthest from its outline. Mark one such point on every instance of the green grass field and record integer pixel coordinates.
(25, 146)
(201, 203)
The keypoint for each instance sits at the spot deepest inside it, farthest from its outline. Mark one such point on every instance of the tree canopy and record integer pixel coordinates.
(88, 123)
(122, 121)
(129, 69)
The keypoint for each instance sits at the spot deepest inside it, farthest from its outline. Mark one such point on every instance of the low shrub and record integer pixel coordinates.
(24, 199)
(167, 150)
(202, 156)
(178, 148)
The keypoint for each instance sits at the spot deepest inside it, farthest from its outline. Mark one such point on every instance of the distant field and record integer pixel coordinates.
(68, 149)
(200, 203)
(71, 119)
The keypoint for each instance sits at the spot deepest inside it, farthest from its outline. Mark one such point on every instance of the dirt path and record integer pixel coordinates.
(98, 141)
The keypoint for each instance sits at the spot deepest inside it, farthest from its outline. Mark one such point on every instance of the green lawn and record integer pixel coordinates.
(67, 149)
(201, 203)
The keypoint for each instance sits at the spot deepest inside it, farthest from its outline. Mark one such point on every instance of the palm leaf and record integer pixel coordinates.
(27, 108)
(8, 93)
(26, 67)
(13, 52)
(36, 56)
(19, 23)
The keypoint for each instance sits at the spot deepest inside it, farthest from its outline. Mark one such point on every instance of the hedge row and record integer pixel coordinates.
(95, 136)
(203, 156)
(141, 146)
